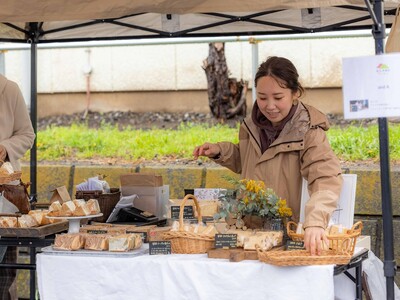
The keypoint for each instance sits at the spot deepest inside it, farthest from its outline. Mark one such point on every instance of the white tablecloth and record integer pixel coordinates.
(176, 277)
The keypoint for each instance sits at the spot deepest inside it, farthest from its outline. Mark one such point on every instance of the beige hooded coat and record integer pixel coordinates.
(301, 151)
(16, 132)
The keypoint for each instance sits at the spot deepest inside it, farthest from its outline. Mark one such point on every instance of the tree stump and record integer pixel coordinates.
(226, 96)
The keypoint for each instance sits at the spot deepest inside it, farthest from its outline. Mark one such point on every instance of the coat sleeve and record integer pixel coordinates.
(229, 156)
(321, 168)
(23, 135)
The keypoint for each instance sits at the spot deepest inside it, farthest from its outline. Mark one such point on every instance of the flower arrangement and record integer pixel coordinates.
(251, 197)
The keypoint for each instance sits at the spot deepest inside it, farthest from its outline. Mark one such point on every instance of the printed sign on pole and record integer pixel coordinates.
(371, 87)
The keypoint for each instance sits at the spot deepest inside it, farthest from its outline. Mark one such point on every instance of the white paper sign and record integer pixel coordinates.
(371, 86)
(344, 213)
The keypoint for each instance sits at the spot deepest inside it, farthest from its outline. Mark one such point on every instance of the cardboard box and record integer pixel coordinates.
(138, 179)
(364, 241)
(60, 194)
(156, 233)
(152, 194)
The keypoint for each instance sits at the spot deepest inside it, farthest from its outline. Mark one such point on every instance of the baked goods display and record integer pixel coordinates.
(34, 218)
(75, 208)
(97, 242)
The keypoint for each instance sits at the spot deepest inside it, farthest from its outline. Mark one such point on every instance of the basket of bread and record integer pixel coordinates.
(341, 247)
(7, 173)
(190, 238)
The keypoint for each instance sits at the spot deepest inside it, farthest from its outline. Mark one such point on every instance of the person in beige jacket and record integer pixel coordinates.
(282, 142)
(16, 138)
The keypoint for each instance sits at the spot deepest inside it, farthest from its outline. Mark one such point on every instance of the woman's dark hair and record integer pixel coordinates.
(284, 72)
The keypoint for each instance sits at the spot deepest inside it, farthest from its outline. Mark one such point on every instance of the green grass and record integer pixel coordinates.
(79, 142)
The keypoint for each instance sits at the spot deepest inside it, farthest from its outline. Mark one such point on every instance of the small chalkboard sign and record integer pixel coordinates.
(188, 212)
(159, 247)
(226, 241)
(294, 245)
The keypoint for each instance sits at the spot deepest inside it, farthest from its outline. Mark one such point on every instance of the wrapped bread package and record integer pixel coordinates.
(124, 242)
(93, 206)
(81, 208)
(265, 240)
(97, 242)
(69, 241)
(27, 221)
(40, 216)
(67, 209)
(8, 222)
(55, 209)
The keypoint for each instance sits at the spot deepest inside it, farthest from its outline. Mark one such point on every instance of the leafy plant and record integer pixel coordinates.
(251, 197)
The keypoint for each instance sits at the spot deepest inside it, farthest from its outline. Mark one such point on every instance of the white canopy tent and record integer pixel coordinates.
(47, 21)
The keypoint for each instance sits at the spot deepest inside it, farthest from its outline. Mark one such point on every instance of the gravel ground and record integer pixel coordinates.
(150, 120)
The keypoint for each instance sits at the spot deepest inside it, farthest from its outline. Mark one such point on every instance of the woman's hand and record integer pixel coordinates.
(207, 149)
(313, 239)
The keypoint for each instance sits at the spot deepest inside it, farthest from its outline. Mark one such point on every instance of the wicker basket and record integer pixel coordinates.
(340, 243)
(188, 242)
(107, 201)
(302, 258)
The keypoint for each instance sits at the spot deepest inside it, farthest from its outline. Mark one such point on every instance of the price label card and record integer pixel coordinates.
(294, 245)
(226, 241)
(159, 247)
(188, 212)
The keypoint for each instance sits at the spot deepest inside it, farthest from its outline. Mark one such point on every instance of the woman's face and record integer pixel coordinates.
(273, 100)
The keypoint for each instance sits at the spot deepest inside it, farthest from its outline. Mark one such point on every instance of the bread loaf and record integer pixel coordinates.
(93, 206)
(8, 222)
(98, 242)
(81, 209)
(69, 241)
(67, 209)
(26, 221)
(124, 242)
(40, 216)
(54, 209)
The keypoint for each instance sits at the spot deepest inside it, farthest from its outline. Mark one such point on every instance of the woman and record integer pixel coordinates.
(16, 138)
(282, 142)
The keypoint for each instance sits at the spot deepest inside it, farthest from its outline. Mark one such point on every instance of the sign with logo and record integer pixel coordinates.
(370, 86)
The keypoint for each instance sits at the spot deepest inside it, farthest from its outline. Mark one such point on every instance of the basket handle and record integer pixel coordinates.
(357, 227)
(291, 225)
(182, 208)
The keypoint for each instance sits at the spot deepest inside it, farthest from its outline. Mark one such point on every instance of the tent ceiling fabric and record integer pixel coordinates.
(73, 20)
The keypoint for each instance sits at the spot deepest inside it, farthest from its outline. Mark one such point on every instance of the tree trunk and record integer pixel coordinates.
(226, 96)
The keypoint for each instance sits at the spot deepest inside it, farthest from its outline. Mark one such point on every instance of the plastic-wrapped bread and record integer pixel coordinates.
(266, 240)
(40, 216)
(124, 242)
(69, 241)
(6, 169)
(98, 242)
(81, 209)
(54, 209)
(27, 221)
(67, 209)
(93, 206)
(8, 222)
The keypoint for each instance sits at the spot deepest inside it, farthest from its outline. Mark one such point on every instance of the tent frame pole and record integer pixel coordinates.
(33, 113)
(389, 263)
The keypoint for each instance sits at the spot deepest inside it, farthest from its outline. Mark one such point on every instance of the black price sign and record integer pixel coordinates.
(188, 212)
(226, 241)
(294, 245)
(160, 247)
